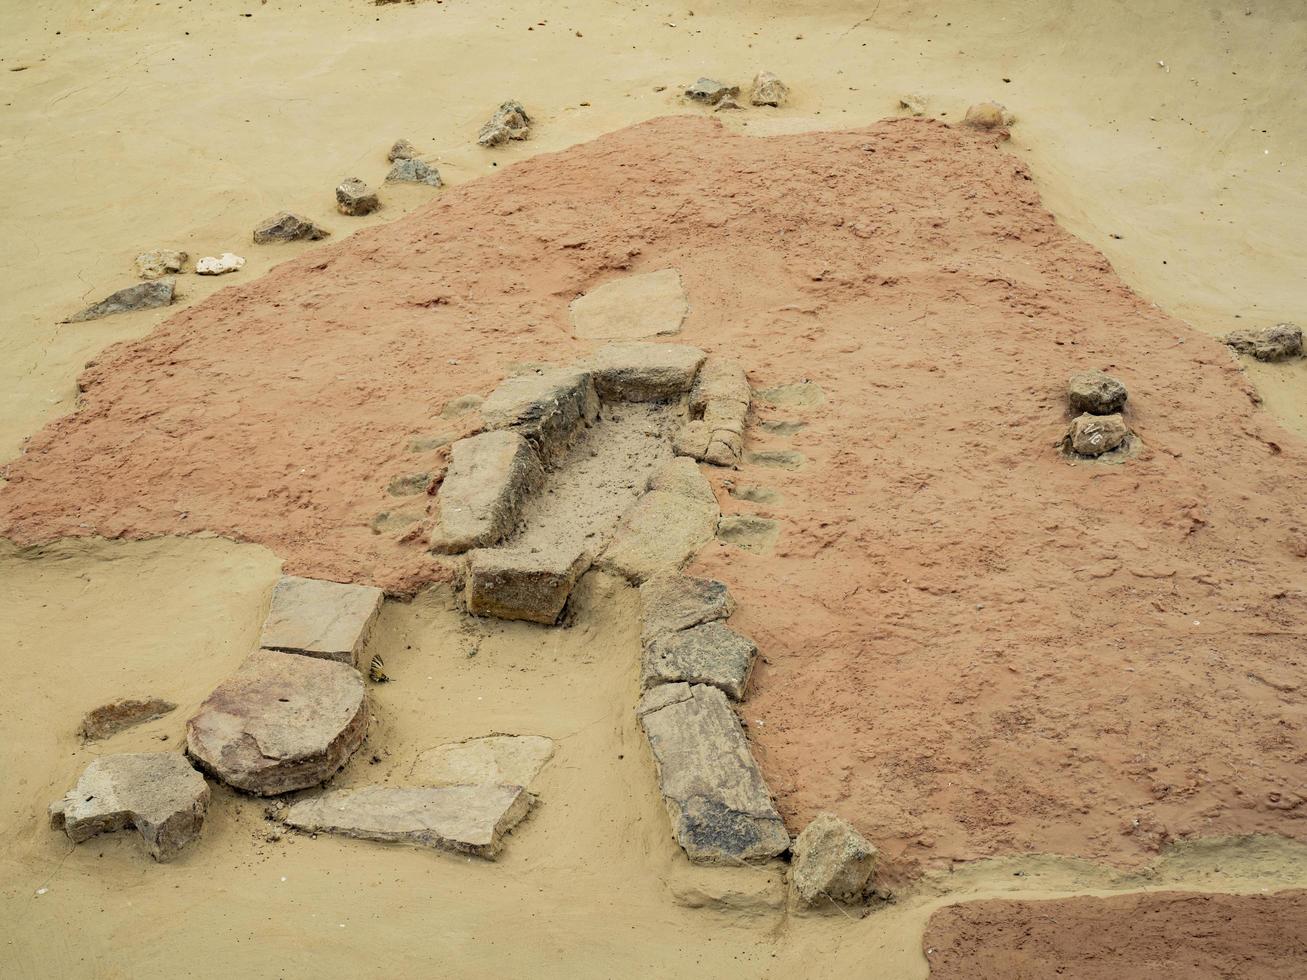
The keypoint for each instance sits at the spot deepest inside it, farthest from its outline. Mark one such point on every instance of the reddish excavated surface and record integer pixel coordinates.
(1165, 934)
(971, 645)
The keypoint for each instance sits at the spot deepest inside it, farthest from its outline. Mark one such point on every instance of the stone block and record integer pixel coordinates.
(832, 860)
(1096, 393)
(682, 476)
(509, 583)
(645, 372)
(480, 500)
(709, 654)
(551, 408)
(316, 618)
(659, 534)
(669, 603)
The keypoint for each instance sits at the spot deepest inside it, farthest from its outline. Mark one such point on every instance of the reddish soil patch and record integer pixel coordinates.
(1177, 935)
(972, 645)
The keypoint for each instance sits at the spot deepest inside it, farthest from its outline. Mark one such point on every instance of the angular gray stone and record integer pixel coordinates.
(682, 476)
(648, 304)
(768, 90)
(1277, 343)
(413, 171)
(463, 819)
(510, 583)
(353, 197)
(639, 372)
(142, 296)
(117, 716)
(659, 534)
(676, 602)
(282, 722)
(323, 619)
(160, 262)
(509, 122)
(495, 760)
(551, 408)
(1096, 393)
(749, 532)
(832, 860)
(719, 806)
(158, 794)
(286, 226)
(710, 92)
(709, 654)
(481, 497)
(401, 149)
(1094, 435)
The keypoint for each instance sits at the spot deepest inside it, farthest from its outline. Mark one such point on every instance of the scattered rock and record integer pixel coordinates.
(489, 475)
(988, 115)
(786, 459)
(530, 585)
(769, 90)
(709, 92)
(156, 793)
(801, 394)
(409, 485)
(460, 406)
(220, 265)
(913, 104)
(1093, 435)
(353, 197)
(832, 860)
(659, 534)
(754, 534)
(673, 602)
(645, 372)
(401, 149)
(116, 716)
(709, 654)
(494, 760)
(285, 226)
(413, 171)
(463, 819)
(160, 262)
(142, 296)
(314, 618)
(551, 408)
(649, 304)
(720, 809)
(282, 722)
(1277, 343)
(1096, 393)
(682, 476)
(509, 122)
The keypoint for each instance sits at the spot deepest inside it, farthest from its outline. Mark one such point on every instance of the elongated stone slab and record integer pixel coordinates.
(676, 602)
(464, 819)
(659, 534)
(489, 476)
(516, 583)
(709, 654)
(719, 806)
(315, 618)
(551, 408)
(645, 372)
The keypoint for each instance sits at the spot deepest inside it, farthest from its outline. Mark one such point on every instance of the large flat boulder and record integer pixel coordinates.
(676, 602)
(709, 654)
(645, 372)
(551, 408)
(315, 618)
(282, 722)
(719, 806)
(520, 583)
(659, 534)
(158, 794)
(464, 819)
(497, 760)
(479, 502)
(647, 304)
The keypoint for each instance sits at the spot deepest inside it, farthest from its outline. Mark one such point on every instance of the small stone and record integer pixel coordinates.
(753, 534)
(1277, 343)
(160, 262)
(768, 90)
(1094, 435)
(648, 304)
(509, 122)
(913, 104)
(353, 197)
(673, 602)
(727, 103)
(721, 379)
(659, 534)
(315, 618)
(645, 372)
(709, 654)
(142, 296)
(692, 439)
(552, 408)
(412, 171)
(402, 149)
(1096, 393)
(220, 265)
(481, 497)
(407, 486)
(988, 115)
(831, 860)
(681, 476)
(508, 583)
(710, 92)
(286, 226)
(117, 716)
(494, 760)
(158, 794)
(463, 819)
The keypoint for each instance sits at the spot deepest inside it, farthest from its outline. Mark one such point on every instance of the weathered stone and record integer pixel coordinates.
(1093, 435)
(489, 475)
(1277, 343)
(755, 494)
(645, 372)
(510, 583)
(786, 459)
(282, 722)
(463, 819)
(768, 90)
(413, 171)
(409, 485)
(401, 149)
(659, 534)
(157, 793)
(1096, 393)
(802, 394)
(551, 408)
(315, 618)
(709, 654)
(142, 296)
(692, 439)
(988, 115)
(913, 104)
(160, 262)
(749, 532)
(219, 265)
(116, 716)
(681, 476)
(720, 379)
(720, 809)
(724, 449)
(494, 760)
(424, 444)
(353, 197)
(677, 602)
(649, 304)
(462, 405)
(390, 521)
(831, 860)
(710, 92)
(727, 103)
(286, 226)
(509, 122)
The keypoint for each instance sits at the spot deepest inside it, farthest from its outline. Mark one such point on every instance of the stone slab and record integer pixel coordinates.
(676, 602)
(498, 760)
(481, 497)
(648, 304)
(551, 408)
(682, 476)
(709, 654)
(512, 583)
(659, 534)
(117, 716)
(721, 379)
(142, 296)
(315, 618)
(639, 372)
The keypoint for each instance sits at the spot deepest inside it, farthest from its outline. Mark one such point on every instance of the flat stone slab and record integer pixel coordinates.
(117, 716)
(749, 532)
(669, 603)
(488, 478)
(157, 793)
(551, 408)
(513, 583)
(315, 618)
(142, 296)
(682, 476)
(464, 819)
(282, 722)
(645, 372)
(497, 760)
(801, 394)
(709, 654)
(648, 304)
(719, 806)
(659, 534)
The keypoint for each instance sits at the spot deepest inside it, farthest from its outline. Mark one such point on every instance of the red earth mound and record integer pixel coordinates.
(972, 645)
